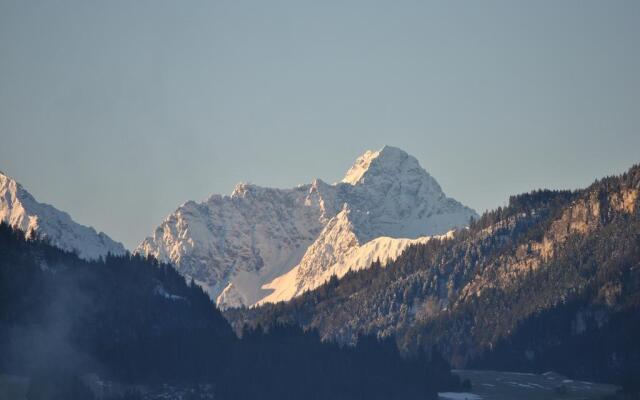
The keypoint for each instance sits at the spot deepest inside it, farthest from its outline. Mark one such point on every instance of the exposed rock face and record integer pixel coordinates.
(19, 209)
(580, 218)
(233, 245)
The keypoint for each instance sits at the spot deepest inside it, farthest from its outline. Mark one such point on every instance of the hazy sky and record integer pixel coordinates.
(118, 112)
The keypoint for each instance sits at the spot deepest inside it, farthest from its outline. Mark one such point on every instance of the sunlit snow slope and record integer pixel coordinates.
(337, 251)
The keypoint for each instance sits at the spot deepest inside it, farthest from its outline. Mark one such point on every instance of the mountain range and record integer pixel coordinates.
(383, 254)
(262, 245)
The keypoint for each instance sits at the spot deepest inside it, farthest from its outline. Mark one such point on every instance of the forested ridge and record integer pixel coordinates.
(525, 287)
(134, 320)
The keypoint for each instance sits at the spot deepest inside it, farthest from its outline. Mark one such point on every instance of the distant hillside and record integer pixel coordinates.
(529, 286)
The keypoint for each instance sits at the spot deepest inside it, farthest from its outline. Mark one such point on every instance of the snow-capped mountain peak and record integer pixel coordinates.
(389, 163)
(20, 209)
(394, 196)
(233, 245)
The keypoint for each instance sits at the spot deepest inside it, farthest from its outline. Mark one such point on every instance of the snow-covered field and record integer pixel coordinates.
(498, 385)
(458, 396)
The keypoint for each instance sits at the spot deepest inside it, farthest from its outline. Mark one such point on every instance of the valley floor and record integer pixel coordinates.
(498, 385)
(485, 385)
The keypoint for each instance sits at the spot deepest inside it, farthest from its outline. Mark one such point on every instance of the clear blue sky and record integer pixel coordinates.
(119, 111)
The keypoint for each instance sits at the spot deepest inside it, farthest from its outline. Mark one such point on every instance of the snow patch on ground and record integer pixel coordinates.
(160, 291)
(458, 396)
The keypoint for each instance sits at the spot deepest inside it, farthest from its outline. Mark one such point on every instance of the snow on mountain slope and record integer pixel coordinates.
(336, 251)
(360, 167)
(252, 236)
(19, 209)
(233, 245)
